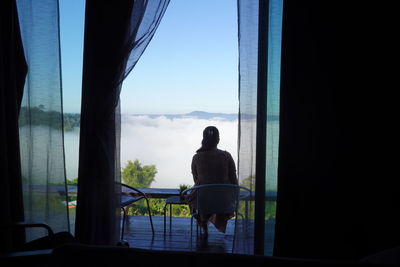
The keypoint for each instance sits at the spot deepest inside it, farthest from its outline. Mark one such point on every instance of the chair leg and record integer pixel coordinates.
(123, 223)
(151, 220)
(165, 219)
(191, 227)
(234, 235)
(170, 217)
(244, 223)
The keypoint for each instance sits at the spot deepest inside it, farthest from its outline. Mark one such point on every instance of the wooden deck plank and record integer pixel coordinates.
(138, 234)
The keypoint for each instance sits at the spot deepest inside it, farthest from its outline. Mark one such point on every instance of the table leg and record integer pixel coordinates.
(170, 217)
(165, 219)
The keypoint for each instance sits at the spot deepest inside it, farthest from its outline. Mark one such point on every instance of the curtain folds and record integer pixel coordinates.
(272, 127)
(338, 183)
(248, 57)
(13, 70)
(312, 191)
(41, 117)
(115, 37)
(259, 84)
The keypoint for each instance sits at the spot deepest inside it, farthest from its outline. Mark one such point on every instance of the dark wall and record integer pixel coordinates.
(12, 77)
(337, 193)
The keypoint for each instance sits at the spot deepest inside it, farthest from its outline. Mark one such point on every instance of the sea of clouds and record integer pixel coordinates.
(168, 143)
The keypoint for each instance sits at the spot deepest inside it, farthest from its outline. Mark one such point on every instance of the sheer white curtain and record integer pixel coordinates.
(41, 119)
(248, 56)
(259, 70)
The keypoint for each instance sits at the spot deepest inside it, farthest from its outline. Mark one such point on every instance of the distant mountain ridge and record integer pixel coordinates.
(206, 116)
(194, 114)
(38, 116)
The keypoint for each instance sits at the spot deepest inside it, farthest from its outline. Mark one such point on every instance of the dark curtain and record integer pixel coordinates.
(337, 196)
(115, 36)
(105, 29)
(41, 132)
(13, 69)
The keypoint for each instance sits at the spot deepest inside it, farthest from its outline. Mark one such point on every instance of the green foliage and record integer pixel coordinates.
(73, 182)
(136, 175)
(270, 210)
(157, 208)
(71, 121)
(38, 116)
(248, 182)
(183, 187)
(42, 201)
(270, 206)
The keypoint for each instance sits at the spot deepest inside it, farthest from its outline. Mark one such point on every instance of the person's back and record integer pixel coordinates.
(211, 165)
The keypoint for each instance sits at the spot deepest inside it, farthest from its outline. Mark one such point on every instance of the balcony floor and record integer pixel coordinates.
(138, 234)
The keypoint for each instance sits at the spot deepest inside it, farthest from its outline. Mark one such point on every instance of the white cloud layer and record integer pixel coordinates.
(167, 143)
(170, 144)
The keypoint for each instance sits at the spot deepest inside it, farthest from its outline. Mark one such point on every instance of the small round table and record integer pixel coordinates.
(178, 200)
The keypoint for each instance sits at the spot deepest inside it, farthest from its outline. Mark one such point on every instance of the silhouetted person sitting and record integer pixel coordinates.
(211, 165)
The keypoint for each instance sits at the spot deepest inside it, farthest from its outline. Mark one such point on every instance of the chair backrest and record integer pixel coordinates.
(217, 198)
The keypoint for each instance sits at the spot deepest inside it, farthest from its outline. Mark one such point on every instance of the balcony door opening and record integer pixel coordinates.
(186, 80)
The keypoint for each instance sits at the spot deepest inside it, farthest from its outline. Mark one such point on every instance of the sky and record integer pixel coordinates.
(190, 64)
(72, 13)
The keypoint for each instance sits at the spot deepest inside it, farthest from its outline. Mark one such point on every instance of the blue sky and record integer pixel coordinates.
(190, 64)
(72, 13)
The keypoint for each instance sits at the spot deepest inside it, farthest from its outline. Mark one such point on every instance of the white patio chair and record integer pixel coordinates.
(128, 200)
(215, 199)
